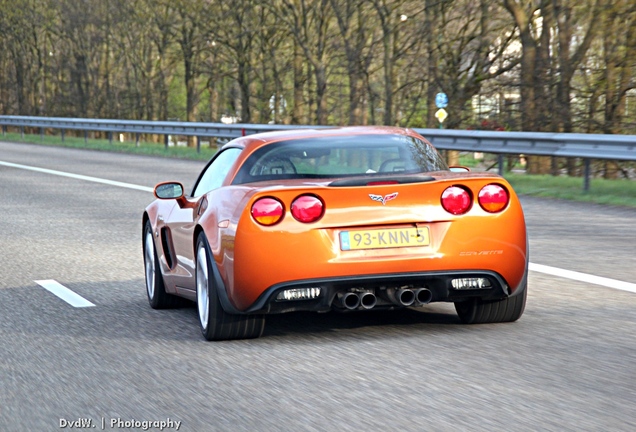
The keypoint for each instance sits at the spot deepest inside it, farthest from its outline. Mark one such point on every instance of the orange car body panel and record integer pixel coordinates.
(260, 257)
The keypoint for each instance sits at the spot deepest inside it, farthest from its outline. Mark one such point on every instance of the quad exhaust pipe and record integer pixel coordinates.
(400, 297)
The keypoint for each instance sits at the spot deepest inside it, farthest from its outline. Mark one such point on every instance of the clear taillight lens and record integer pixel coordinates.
(267, 211)
(307, 208)
(456, 200)
(493, 198)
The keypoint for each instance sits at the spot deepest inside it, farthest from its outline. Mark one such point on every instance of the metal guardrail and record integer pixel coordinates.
(591, 146)
(586, 146)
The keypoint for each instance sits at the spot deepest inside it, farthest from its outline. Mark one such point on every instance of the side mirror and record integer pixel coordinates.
(459, 169)
(169, 190)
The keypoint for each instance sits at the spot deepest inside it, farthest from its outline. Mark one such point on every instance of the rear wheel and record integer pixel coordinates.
(216, 324)
(477, 311)
(155, 288)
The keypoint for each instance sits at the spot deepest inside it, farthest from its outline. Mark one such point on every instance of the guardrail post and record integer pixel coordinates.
(21, 132)
(41, 134)
(63, 132)
(110, 138)
(198, 144)
(137, 139)
(500, 162)
(166, 139)
(586, 175)
(85, 137)
(554, 166)
(4, 130)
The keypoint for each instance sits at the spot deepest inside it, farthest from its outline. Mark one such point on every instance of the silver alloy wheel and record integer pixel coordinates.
(149, 264)
(203, 299)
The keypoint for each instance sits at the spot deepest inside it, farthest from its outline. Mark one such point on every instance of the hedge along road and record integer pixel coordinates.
(566, 365)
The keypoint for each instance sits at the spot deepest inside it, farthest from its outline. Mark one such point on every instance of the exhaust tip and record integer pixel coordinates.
(423, 296)
(406, 297)
(368, 300)
(349, 300)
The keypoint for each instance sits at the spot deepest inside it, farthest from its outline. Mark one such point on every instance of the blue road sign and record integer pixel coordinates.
(441, 100)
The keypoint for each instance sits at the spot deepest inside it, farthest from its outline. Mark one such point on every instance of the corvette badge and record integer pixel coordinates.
(383, 199)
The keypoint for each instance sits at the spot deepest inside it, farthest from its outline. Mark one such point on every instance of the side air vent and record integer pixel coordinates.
(166, 241)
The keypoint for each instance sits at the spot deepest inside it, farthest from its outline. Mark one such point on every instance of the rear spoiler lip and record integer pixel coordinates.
(364, 181)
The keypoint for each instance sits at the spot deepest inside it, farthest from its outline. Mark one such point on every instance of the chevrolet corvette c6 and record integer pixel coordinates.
(356, 218)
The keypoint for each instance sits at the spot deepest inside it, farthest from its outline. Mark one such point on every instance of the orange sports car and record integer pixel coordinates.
(344, 219)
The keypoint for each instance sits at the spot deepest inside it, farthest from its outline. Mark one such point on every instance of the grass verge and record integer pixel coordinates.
(144, 148)
(610, 192)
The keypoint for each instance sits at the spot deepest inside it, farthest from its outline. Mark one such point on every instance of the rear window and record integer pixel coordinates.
(340, 157)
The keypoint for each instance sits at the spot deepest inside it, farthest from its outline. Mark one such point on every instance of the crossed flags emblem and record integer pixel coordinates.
(383, 199)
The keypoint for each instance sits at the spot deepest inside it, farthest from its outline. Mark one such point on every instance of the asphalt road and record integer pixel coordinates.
(567, 365)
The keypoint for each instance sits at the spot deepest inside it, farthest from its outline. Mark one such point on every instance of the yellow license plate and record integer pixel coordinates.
(384, 238)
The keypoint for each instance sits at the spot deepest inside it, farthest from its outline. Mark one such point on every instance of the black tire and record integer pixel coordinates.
(216, 324)
(155, 287)
(477, 311)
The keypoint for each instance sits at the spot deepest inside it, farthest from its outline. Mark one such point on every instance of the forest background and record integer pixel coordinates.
(538, 65)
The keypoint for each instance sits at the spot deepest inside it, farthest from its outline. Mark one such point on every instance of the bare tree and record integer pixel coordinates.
(310, 22)
(391, 16)
(354, 18)
(23, 43)
(192, 38)
(620, 59)
(474, 46)
(235, 29)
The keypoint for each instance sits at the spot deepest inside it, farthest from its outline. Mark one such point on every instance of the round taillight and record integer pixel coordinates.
(493, 198)
(456, 200)
(307, 208)
(267, 211)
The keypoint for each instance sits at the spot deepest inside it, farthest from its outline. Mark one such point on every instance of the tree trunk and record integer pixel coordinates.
(299, 81)
(214, 100)
(389, 75)
(432, 86)
(321, 90)
(191, 93)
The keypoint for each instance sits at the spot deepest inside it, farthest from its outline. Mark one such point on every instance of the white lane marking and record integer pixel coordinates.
(64, 293)
(78, 176)
(584, 277)
(554, 271)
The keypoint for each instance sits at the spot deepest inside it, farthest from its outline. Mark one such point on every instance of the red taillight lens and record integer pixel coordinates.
(307, 208)
(456, 200)
(493, 198)
(267, 211)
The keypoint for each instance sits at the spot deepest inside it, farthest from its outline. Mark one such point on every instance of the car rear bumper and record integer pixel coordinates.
(381, 291)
